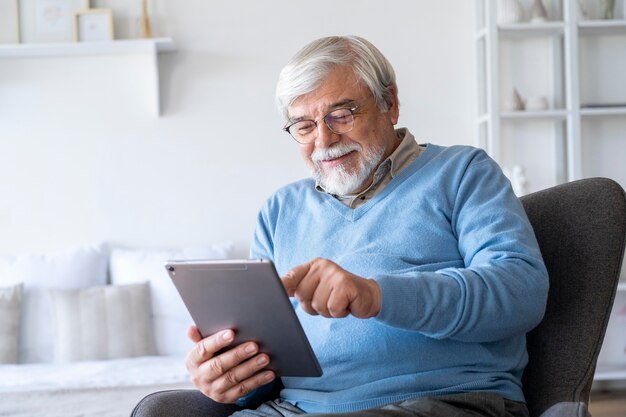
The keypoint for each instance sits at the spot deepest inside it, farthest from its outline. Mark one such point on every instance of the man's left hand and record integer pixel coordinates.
(323, 287)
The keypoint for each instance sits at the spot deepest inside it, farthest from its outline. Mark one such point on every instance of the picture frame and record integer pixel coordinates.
(43, 21)
(9, 21)
(93, 25)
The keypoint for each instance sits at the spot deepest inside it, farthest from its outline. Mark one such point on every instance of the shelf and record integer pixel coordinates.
(151, 47)
(603, 111)
(610, 372)
(519, 30)
(123, 46)
(540, 114)
(602, 27)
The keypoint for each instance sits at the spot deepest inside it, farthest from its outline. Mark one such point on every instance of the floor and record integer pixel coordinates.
(608, 404)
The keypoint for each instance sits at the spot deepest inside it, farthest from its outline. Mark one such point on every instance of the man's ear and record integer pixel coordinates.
(393, 105)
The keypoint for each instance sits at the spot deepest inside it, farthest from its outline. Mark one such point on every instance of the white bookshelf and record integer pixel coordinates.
(580, 67)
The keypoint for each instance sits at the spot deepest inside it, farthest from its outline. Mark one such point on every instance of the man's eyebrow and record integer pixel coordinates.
(348, 102)
(342, 103)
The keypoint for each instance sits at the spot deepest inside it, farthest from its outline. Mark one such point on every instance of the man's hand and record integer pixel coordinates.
(323, 287)
(231, 374)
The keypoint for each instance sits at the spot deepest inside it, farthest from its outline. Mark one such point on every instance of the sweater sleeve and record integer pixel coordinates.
(501, 290)
(262, 246)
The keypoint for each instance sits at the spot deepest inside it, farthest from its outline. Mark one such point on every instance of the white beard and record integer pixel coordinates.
(338, 180)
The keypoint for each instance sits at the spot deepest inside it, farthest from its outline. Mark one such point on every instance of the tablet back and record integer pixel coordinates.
(248, 297)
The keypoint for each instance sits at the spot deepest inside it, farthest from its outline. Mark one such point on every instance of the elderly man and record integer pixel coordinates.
(415, 271)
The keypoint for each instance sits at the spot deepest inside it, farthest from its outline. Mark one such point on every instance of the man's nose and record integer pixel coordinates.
(325, 136)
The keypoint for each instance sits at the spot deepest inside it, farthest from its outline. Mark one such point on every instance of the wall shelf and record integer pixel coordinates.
(602, 27)
(121, 47)
(541, 114)
(532, 29)
(603, 111)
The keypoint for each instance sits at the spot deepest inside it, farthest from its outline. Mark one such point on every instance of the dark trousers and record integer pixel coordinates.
(191, 403)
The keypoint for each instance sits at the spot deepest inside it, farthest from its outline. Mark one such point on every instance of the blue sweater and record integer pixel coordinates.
(460, 272)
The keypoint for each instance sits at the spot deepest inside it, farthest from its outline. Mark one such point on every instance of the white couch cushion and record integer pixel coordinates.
(102, 323)
(78, 268)
(170, 317)
(10, 303)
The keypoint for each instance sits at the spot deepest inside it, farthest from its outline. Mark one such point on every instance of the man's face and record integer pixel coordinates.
(345, 163)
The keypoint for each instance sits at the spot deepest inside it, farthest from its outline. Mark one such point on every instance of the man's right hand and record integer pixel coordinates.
(230, 375)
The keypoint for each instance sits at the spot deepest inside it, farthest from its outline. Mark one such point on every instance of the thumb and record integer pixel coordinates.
(194, 334)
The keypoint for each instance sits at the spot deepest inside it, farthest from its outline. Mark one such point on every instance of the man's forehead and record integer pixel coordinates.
(339, 88)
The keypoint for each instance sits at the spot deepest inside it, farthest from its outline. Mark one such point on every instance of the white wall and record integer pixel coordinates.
(84, 160)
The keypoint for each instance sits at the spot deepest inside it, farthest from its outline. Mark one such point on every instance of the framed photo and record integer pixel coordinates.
(48, 20)
(93, 25)
(9, 21)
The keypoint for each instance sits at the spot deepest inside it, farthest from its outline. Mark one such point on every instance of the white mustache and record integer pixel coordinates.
(326, 154)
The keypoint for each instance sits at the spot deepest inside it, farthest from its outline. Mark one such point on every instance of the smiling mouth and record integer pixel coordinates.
(338, 160)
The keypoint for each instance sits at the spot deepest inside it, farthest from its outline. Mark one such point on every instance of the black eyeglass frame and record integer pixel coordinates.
(316, 123)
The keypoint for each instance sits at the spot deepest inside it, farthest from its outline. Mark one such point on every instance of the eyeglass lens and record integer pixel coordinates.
(339, 121)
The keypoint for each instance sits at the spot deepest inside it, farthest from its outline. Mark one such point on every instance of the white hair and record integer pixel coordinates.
(311, 65)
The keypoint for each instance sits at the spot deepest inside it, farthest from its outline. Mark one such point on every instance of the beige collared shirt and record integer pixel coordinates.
(407, 151)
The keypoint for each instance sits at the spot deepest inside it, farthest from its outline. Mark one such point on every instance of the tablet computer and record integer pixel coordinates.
(248, 297)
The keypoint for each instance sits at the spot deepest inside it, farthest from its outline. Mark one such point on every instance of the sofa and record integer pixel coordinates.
(92, 330)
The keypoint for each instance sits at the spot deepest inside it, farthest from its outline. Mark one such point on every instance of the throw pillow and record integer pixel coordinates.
(78, 268)
(102, 323)
(10, 302)
(170, 317)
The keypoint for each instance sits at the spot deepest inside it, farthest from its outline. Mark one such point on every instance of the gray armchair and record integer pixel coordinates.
(581, 229)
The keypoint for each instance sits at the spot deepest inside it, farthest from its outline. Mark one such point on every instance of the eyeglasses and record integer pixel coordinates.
(339, 121)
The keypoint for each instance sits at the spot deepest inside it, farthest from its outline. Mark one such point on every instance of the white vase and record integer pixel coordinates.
(538, 12)
(536, 103)
(510, 11)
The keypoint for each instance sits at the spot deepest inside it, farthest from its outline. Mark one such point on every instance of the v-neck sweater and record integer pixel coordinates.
(460, 273)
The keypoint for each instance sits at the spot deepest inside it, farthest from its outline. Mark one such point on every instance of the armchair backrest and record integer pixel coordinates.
(581, 230)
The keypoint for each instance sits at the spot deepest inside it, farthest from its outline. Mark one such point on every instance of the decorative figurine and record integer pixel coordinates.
(145, 31)
(538, 12)
(515, 102)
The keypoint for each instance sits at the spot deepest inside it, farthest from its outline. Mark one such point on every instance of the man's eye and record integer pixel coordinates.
(304, 127)
(339, 117)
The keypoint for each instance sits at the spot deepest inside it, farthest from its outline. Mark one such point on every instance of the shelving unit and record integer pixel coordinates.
(152, 47)
(579, 67)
